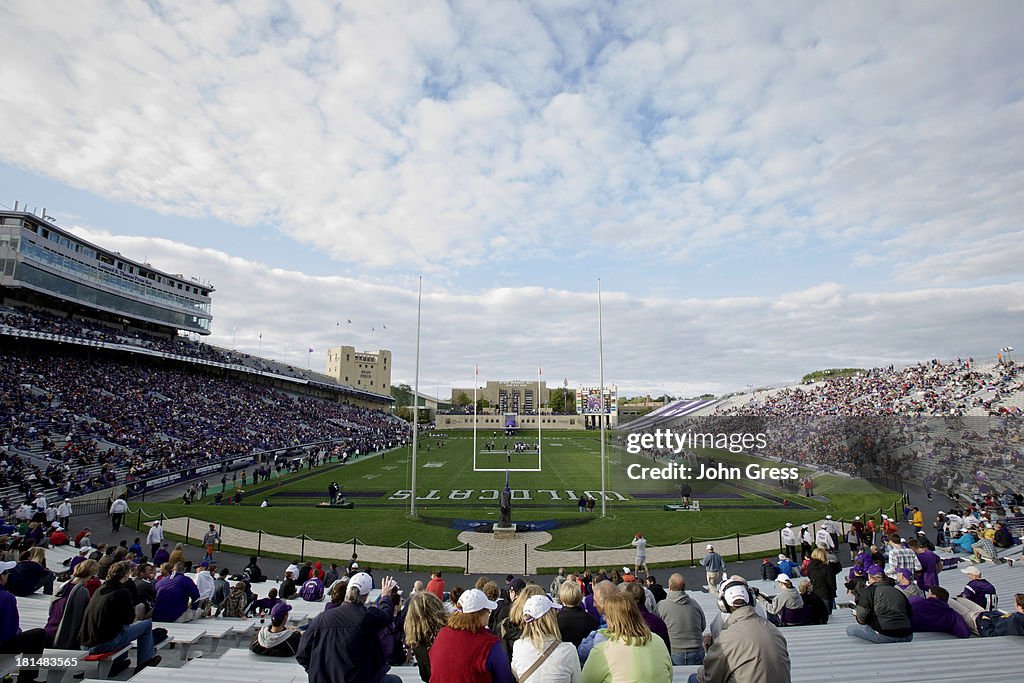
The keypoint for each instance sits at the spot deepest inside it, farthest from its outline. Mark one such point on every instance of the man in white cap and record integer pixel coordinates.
(341, 644)
(64, 512)
(789, 540)
(749, 649)
(978, 590)
(833, 530)
(714, 566)
(806, 542)
(823, 539)
(788, 597)
(155, 537)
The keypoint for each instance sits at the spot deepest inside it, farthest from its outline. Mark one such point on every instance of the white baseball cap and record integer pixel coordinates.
(828, 516)
(789, 524)
(781, 556)
(782, 577)
(736, 593)
(973, 571)
(474, 600)
(537, 606)
(625, 570)
(363, 581)
(709, 547)
(7, 566)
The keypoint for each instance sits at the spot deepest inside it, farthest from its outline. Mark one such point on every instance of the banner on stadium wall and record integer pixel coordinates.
(137, 488)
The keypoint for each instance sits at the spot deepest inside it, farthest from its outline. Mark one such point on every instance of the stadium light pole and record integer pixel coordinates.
(416, 401)
(600, 351)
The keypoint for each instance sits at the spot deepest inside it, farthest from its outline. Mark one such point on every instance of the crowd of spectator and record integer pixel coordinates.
(934, 388)
(105, 420)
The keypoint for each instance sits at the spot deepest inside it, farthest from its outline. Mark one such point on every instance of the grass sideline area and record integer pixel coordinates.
(448, 488)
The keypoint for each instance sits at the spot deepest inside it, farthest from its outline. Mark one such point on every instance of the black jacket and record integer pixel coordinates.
(823, 580)
(111, 608)
(575, 623)
(341, 645)
(498, 615)
(886, 609)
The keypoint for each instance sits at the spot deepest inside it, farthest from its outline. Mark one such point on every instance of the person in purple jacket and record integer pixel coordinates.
(12, 639)
(933, 614)
(978, 589)
(176, 597)
(931, 566)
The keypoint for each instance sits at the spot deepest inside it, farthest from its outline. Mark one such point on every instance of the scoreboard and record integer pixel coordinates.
(589, 401)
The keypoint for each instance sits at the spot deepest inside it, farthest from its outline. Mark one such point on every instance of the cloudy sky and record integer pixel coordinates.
(763, 191)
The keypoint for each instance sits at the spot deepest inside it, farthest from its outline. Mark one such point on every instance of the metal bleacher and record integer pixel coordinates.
(216, 649)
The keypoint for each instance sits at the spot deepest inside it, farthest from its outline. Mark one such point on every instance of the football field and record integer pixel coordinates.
(455, 492)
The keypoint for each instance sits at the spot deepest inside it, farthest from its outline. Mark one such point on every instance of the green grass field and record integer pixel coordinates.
(449, 489)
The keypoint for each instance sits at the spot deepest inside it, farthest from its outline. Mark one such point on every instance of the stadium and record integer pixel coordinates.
(491, 343)
(91, 392)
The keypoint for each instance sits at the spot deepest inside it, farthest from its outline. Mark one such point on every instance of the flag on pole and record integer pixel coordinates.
(337, 324)
(476, 370)
(311, 349)
(539, 370)
(349, 321)
(565, 382)
(384, 326)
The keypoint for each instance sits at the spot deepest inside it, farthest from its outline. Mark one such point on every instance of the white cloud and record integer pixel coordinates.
(685, 346)
(434, 135)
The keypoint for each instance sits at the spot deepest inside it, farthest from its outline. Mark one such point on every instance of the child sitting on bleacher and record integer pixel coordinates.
(277, 639)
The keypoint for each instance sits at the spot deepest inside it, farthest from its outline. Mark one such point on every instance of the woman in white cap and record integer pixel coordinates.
(465, 650)
(540, 655)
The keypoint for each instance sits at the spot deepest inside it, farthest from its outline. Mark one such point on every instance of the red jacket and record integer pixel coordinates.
(461, 656)
(436, 586)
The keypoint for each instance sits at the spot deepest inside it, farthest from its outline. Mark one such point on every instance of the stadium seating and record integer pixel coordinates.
(74, 424)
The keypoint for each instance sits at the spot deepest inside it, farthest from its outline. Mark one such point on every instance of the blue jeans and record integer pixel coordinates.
(869, 634)
(688, 658)
(141, 631)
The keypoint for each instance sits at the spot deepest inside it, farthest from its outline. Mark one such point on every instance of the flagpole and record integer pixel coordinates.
(476, 380)
(600, 348)
(539, 440)
(415, 401)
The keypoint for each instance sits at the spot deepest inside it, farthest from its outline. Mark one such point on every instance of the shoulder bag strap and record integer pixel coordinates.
(540, 660)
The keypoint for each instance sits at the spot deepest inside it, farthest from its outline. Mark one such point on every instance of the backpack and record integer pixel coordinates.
(234, 605)
(312, 590)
